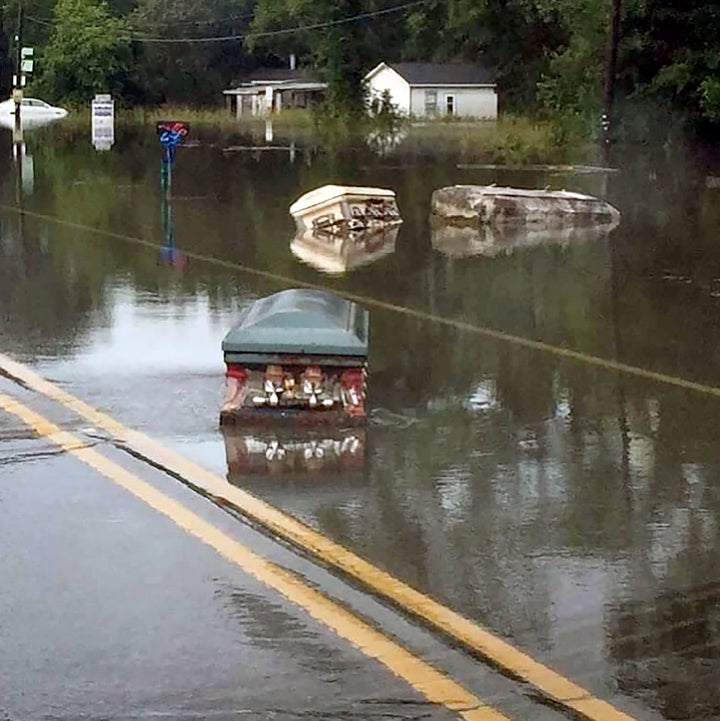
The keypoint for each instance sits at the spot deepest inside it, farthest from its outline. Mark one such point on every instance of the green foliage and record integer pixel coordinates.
(385, 113)
(672, 55)
(515, 37)
(338, 49)
(549, 55)
(5, 64)
(194, 73)
(710, 98)
(570, 90)
(88, 52)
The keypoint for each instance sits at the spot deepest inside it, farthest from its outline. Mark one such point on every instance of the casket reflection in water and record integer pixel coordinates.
(293, 454)
(335, 253)
(463, 241)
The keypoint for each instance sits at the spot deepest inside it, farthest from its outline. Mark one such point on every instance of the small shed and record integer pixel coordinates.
(437, 89)
(269, 90)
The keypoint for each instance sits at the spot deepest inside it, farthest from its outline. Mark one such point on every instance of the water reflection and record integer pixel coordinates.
(170, 255)
(574, 510)
(383, 142)
(297, 454)
(458, 242)
(334, 253)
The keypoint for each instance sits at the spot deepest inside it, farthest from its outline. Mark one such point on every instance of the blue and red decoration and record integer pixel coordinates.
(171, 133)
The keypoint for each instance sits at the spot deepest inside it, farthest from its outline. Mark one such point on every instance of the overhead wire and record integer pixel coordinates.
(136, 37)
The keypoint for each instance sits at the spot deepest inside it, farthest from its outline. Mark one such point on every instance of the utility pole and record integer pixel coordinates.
(17, 87)
(610, 73)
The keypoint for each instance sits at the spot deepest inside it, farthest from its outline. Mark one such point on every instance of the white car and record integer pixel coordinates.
(33, 112)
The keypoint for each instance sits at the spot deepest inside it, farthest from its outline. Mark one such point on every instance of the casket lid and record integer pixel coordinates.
(301, 322)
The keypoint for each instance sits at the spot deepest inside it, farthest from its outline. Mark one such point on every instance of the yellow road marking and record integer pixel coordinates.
(435, 686)
(536, 345)
(472, 636)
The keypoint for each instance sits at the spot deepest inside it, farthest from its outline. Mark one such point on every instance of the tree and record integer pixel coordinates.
(571, 87)
(673, 55)
(194, 72)
(515, 37)
(88, 52)
(343, 39)
(5, 62)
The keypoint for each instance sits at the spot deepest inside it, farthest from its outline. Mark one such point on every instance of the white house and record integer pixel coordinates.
(436, 89)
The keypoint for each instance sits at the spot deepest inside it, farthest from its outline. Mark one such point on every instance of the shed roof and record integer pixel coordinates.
(299, 321)
(280, 75)
(258, 88)
(444, 73)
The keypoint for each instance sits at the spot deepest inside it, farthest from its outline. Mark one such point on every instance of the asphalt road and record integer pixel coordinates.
(530, 519)
(111, 610)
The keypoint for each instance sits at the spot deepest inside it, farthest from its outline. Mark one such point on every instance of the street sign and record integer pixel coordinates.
(26, 66)
(172, 130)
(27, 52)
(103, 122)
(171, 133)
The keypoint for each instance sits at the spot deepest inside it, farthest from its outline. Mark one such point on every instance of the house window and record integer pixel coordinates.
(430, 102)
(450, 104)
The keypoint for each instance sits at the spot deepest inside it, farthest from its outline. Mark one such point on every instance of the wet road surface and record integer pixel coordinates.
(571, 509)
(113, 612)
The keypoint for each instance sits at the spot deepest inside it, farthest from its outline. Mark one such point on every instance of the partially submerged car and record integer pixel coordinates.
(299, 355)
(32, 112)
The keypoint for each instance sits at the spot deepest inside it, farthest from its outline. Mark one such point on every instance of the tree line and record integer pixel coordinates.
(549, 55)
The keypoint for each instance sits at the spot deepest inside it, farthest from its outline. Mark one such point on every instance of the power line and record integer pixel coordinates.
(40, 21)
(269, 33)
(286, 31)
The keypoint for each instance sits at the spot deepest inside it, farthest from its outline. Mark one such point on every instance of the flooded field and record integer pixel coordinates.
(569, 504)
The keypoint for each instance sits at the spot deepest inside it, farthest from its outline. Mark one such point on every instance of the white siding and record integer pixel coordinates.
(388, 79)
(469, 102)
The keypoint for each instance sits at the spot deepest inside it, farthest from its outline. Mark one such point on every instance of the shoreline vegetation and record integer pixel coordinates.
(509, 140)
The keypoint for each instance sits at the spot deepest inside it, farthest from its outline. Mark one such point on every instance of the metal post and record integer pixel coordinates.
(17, 95)
(610, 73)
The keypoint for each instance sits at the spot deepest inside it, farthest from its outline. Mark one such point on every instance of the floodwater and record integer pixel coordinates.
(570, 507)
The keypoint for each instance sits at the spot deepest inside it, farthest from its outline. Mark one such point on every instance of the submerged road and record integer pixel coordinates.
(527, 528)
(130, 594)
(120, 600)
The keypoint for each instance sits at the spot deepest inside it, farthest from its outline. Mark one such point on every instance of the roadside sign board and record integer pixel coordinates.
(103, 122)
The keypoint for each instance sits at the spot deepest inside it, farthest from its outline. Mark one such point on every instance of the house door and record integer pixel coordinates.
(450, 104)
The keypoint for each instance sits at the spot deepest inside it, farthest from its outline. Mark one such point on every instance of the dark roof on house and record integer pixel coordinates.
(444, 73)
(282, 75)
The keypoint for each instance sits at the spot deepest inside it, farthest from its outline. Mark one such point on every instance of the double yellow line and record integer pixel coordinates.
(473, 637)
(436, 687)
(606, 364)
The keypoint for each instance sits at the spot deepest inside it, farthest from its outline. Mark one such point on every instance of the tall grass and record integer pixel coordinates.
(508, 140)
